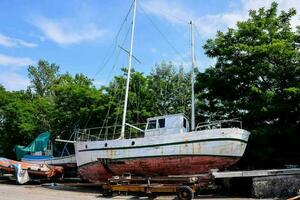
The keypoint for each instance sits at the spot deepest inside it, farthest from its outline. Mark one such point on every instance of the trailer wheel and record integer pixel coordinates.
(185, 193)
(107, 193)
(152, 195)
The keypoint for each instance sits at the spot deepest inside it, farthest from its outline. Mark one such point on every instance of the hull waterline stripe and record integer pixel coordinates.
(159, 156)
(165, 144)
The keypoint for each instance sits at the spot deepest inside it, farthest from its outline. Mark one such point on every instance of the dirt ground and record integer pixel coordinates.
(37, 192)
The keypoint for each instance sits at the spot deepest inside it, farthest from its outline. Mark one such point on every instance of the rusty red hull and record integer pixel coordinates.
(160, 166)
(36, 170)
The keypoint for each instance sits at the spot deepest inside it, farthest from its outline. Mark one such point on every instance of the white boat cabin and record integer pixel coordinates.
(167, 124)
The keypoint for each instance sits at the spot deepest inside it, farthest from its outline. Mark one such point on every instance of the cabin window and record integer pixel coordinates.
(161, 123)
(152, 124)
(184, 122)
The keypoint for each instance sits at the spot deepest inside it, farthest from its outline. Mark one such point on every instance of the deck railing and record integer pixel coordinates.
(137, 130)
(230, 123)
(110, 132)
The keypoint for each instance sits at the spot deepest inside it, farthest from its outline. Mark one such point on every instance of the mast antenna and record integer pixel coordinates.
(128, 73)
(193, 78)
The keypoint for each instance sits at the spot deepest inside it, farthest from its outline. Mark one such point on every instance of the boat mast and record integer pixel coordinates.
(128, 73)
(193, 77)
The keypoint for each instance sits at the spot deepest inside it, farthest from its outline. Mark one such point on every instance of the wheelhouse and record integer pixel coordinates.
(167, 124)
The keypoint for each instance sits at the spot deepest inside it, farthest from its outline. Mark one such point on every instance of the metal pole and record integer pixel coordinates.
(128, 73)
(193, 78)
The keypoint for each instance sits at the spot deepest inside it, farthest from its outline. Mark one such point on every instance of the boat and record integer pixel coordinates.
(168, 145)
(40, 151)
(64, 161)
(34, 170)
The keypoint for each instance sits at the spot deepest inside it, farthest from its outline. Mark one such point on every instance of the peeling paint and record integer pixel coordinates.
(96, 172)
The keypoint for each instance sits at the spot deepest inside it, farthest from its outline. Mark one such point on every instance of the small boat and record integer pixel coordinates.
(64, 161)
(40, 151)
(168, 144)
(34, 170)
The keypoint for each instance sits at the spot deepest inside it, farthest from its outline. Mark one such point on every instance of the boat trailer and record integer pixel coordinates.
(265, 183)
(184, 186)
(187, 186)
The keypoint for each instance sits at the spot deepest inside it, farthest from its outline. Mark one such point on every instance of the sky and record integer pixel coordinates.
(84, 36)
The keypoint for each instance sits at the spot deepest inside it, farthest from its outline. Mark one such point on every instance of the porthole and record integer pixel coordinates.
(105, 144)
(86, 146)
(133, 143)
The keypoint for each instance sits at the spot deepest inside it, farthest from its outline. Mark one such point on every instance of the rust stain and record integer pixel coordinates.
(197, 148)
(110, 153)
(157, 166)
(162, 150)
(41, 170)
(186, 142)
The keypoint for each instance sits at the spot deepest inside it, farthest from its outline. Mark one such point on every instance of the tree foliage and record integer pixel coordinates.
(61, 102)
(171, 89)
(256, 78)
(43, 77)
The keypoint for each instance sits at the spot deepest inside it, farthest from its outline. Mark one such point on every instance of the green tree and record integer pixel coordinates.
(76, 103)
(138, 103)
(42, 77)
(170, 89)
(257, 78)
(23, 117)
(164, 91)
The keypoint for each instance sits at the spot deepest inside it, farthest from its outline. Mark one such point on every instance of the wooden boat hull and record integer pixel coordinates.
(36, 170)
(64, 161)
(159, 166)
(67, 162)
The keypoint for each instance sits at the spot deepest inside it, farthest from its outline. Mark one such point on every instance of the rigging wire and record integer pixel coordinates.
(119, 52)
(114, 44)
(198, 32)
(109, 56)
(114, 94)
(162, 34)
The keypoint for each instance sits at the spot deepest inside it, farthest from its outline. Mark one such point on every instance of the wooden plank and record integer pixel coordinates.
(256, 173)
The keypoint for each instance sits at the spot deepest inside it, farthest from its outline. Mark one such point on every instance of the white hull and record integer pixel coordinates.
(224, 142)
(58, 161)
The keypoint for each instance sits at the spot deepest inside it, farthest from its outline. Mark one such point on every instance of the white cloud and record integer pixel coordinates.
(67, 31)
(169, 10)
(13, 81)
(208, 25)
(153, 50)
(98, 83)
(6, 60)
(179, 14)
(13, 42)
(9, 76)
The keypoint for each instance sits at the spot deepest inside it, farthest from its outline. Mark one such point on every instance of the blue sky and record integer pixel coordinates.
(79, 35)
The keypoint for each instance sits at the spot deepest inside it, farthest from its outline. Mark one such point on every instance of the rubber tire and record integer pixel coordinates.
(107, 193)
(152, 195)
(185, 193)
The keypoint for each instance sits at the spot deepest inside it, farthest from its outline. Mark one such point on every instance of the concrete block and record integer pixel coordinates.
(275, 186)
